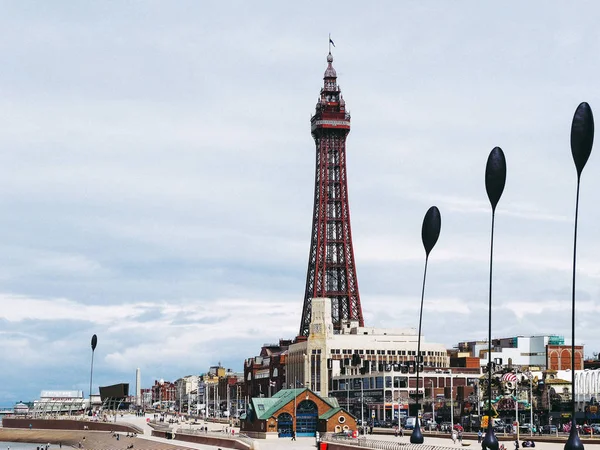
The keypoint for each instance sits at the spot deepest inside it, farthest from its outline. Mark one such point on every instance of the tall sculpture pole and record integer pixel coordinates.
(94, 343)
(429, 234)
(582, 139)
(495, 179)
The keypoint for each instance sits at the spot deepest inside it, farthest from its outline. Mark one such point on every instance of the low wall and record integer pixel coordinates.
(68, 424)
(207, 440)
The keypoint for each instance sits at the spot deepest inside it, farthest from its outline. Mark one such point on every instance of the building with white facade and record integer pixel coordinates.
(545, 352)
(186, 393)
(323, 355)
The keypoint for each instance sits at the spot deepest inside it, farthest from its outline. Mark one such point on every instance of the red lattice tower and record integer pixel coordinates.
(331, 268)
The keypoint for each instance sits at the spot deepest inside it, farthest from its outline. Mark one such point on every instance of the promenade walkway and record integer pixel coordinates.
(101, 440)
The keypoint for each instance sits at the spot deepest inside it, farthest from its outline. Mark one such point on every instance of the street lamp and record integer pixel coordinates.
(430, 232)
(495, 179)
(362, 403)
(451, 400)
(432, 402)
(582, 138)
(94, 343)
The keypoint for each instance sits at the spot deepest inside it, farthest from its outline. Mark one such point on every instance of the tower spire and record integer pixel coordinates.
(331, 268)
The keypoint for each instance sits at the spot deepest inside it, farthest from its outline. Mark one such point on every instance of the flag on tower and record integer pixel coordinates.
(331, 41)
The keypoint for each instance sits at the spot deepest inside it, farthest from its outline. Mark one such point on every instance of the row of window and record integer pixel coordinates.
(370, 383)
(347, 351)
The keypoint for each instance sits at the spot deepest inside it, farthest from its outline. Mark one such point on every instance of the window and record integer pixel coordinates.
(261, 407)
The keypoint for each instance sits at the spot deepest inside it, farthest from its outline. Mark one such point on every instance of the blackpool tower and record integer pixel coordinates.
(331, 266)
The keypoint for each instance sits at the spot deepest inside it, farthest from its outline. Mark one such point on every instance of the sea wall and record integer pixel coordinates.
(202, 439)
(67, 424)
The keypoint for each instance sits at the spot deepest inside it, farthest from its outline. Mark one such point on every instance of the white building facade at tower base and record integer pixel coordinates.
(323, 355)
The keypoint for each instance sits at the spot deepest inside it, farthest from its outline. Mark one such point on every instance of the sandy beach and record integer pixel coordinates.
(90, 440)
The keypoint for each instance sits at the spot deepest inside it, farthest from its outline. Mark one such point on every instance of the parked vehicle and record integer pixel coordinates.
(445, 426)
(525, 427)
(410, 423)
(549, 429)
(499, 426)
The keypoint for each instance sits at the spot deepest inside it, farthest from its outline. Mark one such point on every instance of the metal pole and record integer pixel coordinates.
(451, 400)
(432, 402)
(348, 394)
(205, 398)
(91, 375)
(530, 407)
(517, 406)
(478, 403)
(362, 403)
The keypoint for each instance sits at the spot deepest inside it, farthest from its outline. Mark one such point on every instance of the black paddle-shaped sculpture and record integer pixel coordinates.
(94, 343)
(430, 232)
(495, 179)
(582, 138)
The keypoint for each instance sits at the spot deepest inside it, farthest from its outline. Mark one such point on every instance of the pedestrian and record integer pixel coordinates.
(401, 431)
(454, 436)
(479, 436)
(516, 444)
(396, 431)
(460, 437)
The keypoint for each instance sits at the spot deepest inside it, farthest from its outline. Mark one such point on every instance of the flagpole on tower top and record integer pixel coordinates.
(330, 43)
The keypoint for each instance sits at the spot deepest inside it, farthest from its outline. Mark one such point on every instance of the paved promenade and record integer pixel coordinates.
(99, 440)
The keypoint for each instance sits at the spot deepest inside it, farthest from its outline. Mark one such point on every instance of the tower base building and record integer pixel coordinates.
(315, 361)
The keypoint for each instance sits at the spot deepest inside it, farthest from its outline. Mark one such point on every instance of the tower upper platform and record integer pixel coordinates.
(330, 111)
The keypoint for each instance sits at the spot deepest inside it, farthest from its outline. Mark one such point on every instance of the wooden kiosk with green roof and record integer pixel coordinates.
(301, 410)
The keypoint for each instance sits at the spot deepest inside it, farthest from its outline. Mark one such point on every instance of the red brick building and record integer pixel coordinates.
(299, 410)
(558, 357)
(264, 375)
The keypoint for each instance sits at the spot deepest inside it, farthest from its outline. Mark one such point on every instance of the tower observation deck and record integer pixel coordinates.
(331, 266)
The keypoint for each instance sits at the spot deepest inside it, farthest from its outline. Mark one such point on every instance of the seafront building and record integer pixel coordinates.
(543, 352)
(58, 402)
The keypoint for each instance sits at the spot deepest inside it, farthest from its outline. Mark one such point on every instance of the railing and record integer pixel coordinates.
(381, 445)
(217, 434)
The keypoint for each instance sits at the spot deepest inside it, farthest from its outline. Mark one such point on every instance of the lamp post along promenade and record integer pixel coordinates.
(495, 179)
(582, 139)
(430, 232)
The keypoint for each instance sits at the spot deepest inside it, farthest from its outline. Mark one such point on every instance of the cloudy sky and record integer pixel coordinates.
(157, 170)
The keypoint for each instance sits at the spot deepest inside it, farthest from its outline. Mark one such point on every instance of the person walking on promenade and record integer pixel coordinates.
(479, 436)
